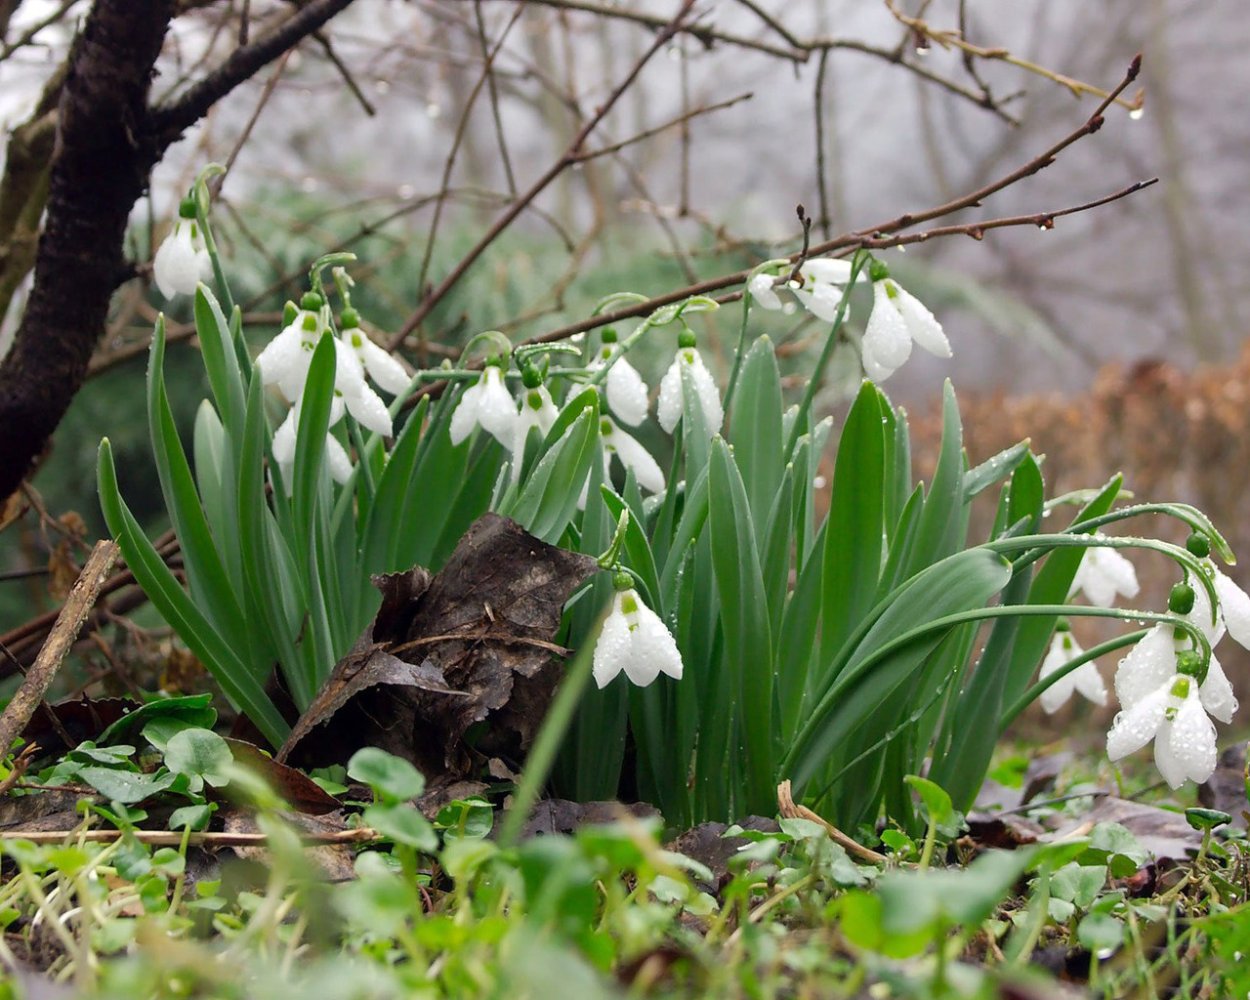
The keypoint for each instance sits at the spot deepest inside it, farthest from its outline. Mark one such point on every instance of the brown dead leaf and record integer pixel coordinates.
(295, 787)
(470, 645)
(1165, 834)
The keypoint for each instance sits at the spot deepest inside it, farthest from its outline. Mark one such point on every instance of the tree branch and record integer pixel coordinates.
(169, 121)
(100, 169)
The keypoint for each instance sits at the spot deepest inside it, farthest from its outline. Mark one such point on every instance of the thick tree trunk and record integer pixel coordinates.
(100, 169)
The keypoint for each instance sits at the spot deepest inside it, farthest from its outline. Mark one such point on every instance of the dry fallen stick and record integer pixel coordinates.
(172, 838)
(78, 605)
(787, 807)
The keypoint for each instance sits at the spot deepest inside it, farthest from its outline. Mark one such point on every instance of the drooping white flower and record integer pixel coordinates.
(1086, 679)
(1102, 575)
(488, 404)
(1153, 660)
(182, 260)
(823, 285)
(336, 458)
(286, 359)
(897, 320)
(1173, 715)
(635, 640)
(669, 408)
(761, 290)
(381, 365)
(632, 455)
(1233, 612)
(362, 402)
(626, 392)
(537, 412)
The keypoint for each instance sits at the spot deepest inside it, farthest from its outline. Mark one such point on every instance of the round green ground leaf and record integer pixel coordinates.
(392, 778)
(200, 753)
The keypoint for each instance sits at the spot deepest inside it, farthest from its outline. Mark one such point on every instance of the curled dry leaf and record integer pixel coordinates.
(472, 645)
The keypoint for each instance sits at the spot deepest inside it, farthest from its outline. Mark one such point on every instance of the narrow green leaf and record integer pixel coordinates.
(245, 690)
(853, 533)
(755, 429)
(749, 652)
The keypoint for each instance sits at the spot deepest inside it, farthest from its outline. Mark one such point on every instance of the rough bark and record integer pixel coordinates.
(108, 139)
(100, 168)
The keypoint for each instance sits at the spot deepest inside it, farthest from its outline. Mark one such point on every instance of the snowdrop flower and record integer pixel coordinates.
(819, 285)
(1154, 658)
(761, 290)
(897, 320)
(631, 454)
(362, 402)
(381, 366)
(537, 411)
(182, 260)
(626, 392)
(1167, 708)
(1102, 574)
(285, 360)
(669, 408)
(336, 457)
(823, 281)
(488, 404)
(1086, 679)
(634, 639)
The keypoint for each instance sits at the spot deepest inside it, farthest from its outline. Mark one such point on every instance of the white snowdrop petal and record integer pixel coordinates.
(1089, 683)
(655, 645)
(178, 265)
(634, 456)
(627, 393)
(1055, 696)
(1148, 665)
(761, 289)
(923, 326)
(284, 438)
(709, 395)
(821, 301)
(1134, 727)
(280, 357)
(826, 270)
(337, 460)
(1211, 623)
(383, 367)
(1116, 569)
(612, 649)
(1216, 693)
(1235, 607)
(497, 411)
(464, 419)
(873, 367)
(367, 407)
(1185, 747)
(886, 332)
(668, 407)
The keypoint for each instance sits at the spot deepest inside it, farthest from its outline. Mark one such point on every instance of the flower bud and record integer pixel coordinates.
(1198, 545)
(1181, 600)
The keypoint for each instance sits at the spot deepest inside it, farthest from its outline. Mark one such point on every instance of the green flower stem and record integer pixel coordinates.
(1036, 546)
(1102, 649)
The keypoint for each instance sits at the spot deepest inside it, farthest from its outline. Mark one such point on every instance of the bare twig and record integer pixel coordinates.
(215, 183)
(168, 121)
(787, 807)
(172, 838)
(38, 679)
(567, 159)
